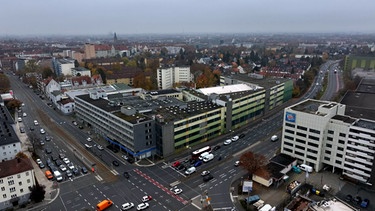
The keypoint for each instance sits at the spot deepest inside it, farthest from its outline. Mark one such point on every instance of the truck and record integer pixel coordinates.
(208, 157)
(58, 176)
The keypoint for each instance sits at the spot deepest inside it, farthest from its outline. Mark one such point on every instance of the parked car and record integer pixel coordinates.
(241, 135)
(348, 198)
(61, 156)
(42, 131)
(36, 122)
(88, 146)
(74, 123)
(75, 171)
(70, 166)
(41, 165)
(89, 139)
(38, 161)
(181, 167)
(22, 130)
(58, 162)
(62, 167)
(357, 200)
(100, 147)
(48, 138)
(237, 163)
(41, 143)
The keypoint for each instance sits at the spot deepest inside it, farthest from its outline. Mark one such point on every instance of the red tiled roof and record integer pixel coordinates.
(15, 166)
(102, 47)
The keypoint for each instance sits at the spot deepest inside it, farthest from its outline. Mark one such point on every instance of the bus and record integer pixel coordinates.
(195, 155)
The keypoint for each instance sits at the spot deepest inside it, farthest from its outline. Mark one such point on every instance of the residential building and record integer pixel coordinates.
(62, 66)
(80, 71)
(168, 76)
(10, 144)
(319, 134)
(16, 179)
(89, 50)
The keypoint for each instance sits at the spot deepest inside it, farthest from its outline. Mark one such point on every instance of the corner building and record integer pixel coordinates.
(319, 134)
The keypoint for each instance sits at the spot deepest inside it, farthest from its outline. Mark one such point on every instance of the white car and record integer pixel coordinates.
(36, 122)
(235, 138)
(142, 206)
(19, 119)
(89, 139)
(204, 173)
(146, 198)
(38, 161)
(237, 163)
(70, 166)
(127, 206)
(176, 190)
(24, 115)
(42, 131)
(227, 142)
(66, 160)
(100, 147)
(62, 167)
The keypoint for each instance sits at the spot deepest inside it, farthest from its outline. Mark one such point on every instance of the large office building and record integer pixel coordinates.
(176, 120)
(63, 66)
(319, 134)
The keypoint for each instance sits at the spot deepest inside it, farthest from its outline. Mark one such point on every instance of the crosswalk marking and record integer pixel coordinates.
(99, 178)
(114, 172)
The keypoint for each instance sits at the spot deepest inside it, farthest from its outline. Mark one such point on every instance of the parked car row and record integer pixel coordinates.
(357, 200)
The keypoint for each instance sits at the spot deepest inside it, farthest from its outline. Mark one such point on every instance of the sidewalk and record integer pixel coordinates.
(51, 188)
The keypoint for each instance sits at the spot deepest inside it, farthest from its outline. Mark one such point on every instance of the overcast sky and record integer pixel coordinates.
(85, 17)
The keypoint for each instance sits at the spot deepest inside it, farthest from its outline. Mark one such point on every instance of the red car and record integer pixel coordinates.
(176, 164)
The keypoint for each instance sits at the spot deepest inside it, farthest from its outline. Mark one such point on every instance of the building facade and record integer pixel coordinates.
(16, 179)
(167, 77)
(63, 66)
(319, 134)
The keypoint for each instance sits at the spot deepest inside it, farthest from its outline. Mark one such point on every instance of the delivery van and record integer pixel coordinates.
(208, 158)
(305, 167)
(58, 176)
(104, 204)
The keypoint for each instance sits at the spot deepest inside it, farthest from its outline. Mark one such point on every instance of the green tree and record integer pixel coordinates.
(47, 72)
(4, 83)
(13, 104)
(37, 193)
(32, 66)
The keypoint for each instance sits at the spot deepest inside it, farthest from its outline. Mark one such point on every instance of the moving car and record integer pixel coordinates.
(190, 170)
(207, 178)
(235, 138)
(126, 175)
(142, 206)
(204, 173)
(176, 190)
(146, 198)
(88, 146)
(274, 138)
(42, 131)
(66, 160)
(227, 142)
(115, 163)
(127, 206)
(36, 122)
(104, 205)
(237, 163)
(176, 164)
(217, 147)
(48, 138)
(198, 163)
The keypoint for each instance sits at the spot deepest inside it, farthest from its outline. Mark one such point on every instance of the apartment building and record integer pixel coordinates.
(10, 144)
(319, 134)
(80, 71)
(168, 76)
(16, 177)
(63, 66)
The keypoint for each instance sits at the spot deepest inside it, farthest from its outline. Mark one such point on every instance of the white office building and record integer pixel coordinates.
(319, 134)
(166, 77)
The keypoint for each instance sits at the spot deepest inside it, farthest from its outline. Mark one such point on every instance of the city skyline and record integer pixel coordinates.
(170, 17)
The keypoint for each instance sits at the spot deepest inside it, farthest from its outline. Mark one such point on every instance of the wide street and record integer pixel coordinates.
(84, 191)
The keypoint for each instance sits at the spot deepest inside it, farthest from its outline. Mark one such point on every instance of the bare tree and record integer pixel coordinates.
(252, 161)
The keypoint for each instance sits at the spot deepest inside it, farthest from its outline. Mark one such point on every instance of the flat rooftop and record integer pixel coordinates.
(265, 82)
(360, 104)
(332, 205)
(227, 89)
(309, 106)
(346, 119)
(365, 124)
